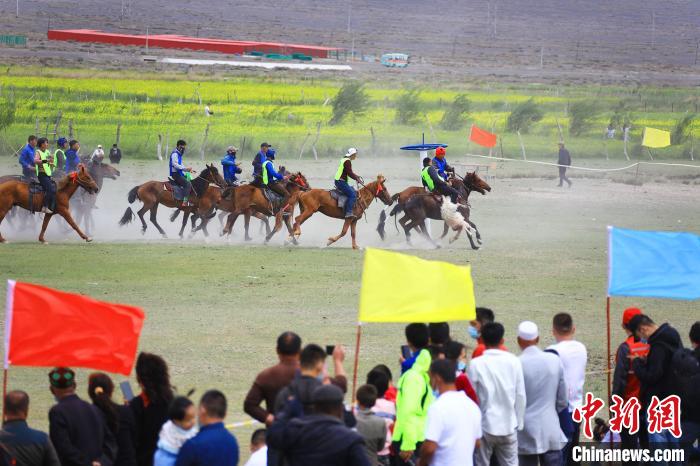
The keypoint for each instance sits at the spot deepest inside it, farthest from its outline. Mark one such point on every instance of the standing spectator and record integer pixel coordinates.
(454, 422)
(258, 449)
(26, 158)
(207, 110)
(320, 438)
(484, 315)
(456, 353)
(119, 418)
(626, 132)
(98, 155)
(541, 440)
(625, 382)
(418, 338)
(72, 157)
(150, 408)
(115, 154)
(383, 407)
(213, 445)
(369, 425)
(439, 334)
(498, 378)
(26, 446)
(688, 368)
(564, 162)
(269, 382)
(77, 428)
(574, 357)
(655, 372)
(181, 426)
(230, 166)
(414, 397)
(610, 134)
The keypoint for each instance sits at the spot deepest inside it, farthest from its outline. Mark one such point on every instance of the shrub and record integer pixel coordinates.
(408, 107)
(581, 114)
(7, 113)
(351, 98)
(523, 116)
(455, 116)
(682, 129)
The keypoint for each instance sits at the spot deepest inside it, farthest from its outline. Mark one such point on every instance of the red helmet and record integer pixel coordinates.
(440, 151)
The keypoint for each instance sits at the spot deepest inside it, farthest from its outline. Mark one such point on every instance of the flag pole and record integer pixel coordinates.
(4, 390)
(357, 360)
(607, 312)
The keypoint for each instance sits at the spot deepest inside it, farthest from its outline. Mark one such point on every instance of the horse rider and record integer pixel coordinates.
(258, 161)
(59, 154)
(271, 178)
(433, 183)
(44, 164)
(72, 157)
(231, 167)
(177, 171)
(441, 165)
(26, 158)
(341, 180)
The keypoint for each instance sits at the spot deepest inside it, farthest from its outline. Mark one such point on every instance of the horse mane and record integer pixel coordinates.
(63, 182)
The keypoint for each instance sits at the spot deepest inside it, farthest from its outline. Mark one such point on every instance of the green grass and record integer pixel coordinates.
(285, 110)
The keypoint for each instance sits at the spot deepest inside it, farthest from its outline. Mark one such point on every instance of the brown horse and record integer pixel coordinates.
(320, 200)
(470, 182)
(16, 193)
(153, 193)
(84, 203)
(250, 200)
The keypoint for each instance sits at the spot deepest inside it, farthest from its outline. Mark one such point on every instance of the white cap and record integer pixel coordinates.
(351, 151)
(527, 330)
(99, 146)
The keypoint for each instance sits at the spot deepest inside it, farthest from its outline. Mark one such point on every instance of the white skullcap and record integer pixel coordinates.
(351, 151)
(527, 330)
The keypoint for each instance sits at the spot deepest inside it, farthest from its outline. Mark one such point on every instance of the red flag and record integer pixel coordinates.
(481, 137)
(46, 327)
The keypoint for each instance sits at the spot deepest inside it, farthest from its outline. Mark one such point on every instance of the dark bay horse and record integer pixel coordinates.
(154, 193)
(84, 203)
(320, 200)
(465, 186)
(249, 199)
(16, 193)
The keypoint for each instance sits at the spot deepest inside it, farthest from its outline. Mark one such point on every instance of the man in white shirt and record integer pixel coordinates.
(497, 377)
(454, 421)
(258, 449)
(542, 440)
(573, 356)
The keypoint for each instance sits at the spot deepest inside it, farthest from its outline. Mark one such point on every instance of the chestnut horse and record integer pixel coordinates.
(470, 182)
(249, 200)
(16, 193)
(320, 200)
(153, 193)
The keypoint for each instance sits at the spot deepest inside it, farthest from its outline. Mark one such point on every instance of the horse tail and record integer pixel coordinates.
(174, 215)
(380, 225)
(133, 194)
(127, 217)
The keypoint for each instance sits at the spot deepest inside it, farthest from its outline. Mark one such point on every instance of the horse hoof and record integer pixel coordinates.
(143, 231)
(355, 247)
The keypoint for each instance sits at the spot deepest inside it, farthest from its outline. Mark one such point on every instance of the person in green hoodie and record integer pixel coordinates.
(412, 401)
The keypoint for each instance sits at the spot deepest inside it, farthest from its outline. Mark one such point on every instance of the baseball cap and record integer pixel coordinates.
(351, 151)
(629, 313)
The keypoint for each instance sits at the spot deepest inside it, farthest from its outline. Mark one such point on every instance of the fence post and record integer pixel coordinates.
(374, 141)
(160, 146)
(318, 135)
(58, 122)
(204, 142)
(70, 129)
(522, 146)
(119, 131)
(303, 145)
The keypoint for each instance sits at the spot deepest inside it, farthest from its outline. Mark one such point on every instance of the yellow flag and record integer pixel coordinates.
(656, 138)
(401, 288)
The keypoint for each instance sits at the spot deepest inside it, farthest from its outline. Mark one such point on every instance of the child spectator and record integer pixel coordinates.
(372, 427)
(180, 427)
(384, 407)
(258, 449)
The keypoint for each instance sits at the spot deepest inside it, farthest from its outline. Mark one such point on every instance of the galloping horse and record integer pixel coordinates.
(153, 193)
(16, 193)
(320, 200)
(470, 182)
(249, 199)
(84, 203)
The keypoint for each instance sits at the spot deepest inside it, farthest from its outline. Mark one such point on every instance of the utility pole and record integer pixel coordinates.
(17, 11)
(542, 57)
(653, 29)
(349, 14)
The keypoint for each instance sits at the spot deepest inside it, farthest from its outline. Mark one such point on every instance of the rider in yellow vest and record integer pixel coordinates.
(341, 180)
(271, 178)
(433, 183)
(59, 156)
(45, 164)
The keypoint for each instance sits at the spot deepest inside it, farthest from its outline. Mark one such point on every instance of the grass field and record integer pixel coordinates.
(215, 309)
(284, 111)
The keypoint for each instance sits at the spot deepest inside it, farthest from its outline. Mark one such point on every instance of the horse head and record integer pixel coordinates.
(212, 175)
(381, 192)
(109, 171)
(473, 182)
(83, 178)
(300, 180)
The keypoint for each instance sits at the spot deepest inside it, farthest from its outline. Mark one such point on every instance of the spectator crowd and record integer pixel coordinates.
(443, 409)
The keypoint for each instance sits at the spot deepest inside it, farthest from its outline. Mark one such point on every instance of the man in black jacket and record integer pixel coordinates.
(655, 372)
(25, 445)
(77, 428)
(319, 439)
(564, 162)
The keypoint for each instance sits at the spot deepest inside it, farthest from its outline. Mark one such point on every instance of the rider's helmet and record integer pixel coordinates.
(271, 153)
(440, 151)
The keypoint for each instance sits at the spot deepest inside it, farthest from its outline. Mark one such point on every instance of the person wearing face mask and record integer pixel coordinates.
(456, 352)
(181, 426)
(484, 315)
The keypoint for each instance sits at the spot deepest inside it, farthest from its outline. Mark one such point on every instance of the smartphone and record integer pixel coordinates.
(405, 351)
(126, 390)
(330, 349)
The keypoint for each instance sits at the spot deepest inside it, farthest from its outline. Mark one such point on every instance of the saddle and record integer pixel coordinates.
(35, 188)
(338, 196)
(274, 199)
(178, 192)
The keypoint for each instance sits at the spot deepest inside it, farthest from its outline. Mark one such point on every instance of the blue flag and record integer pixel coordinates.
(653, 264)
